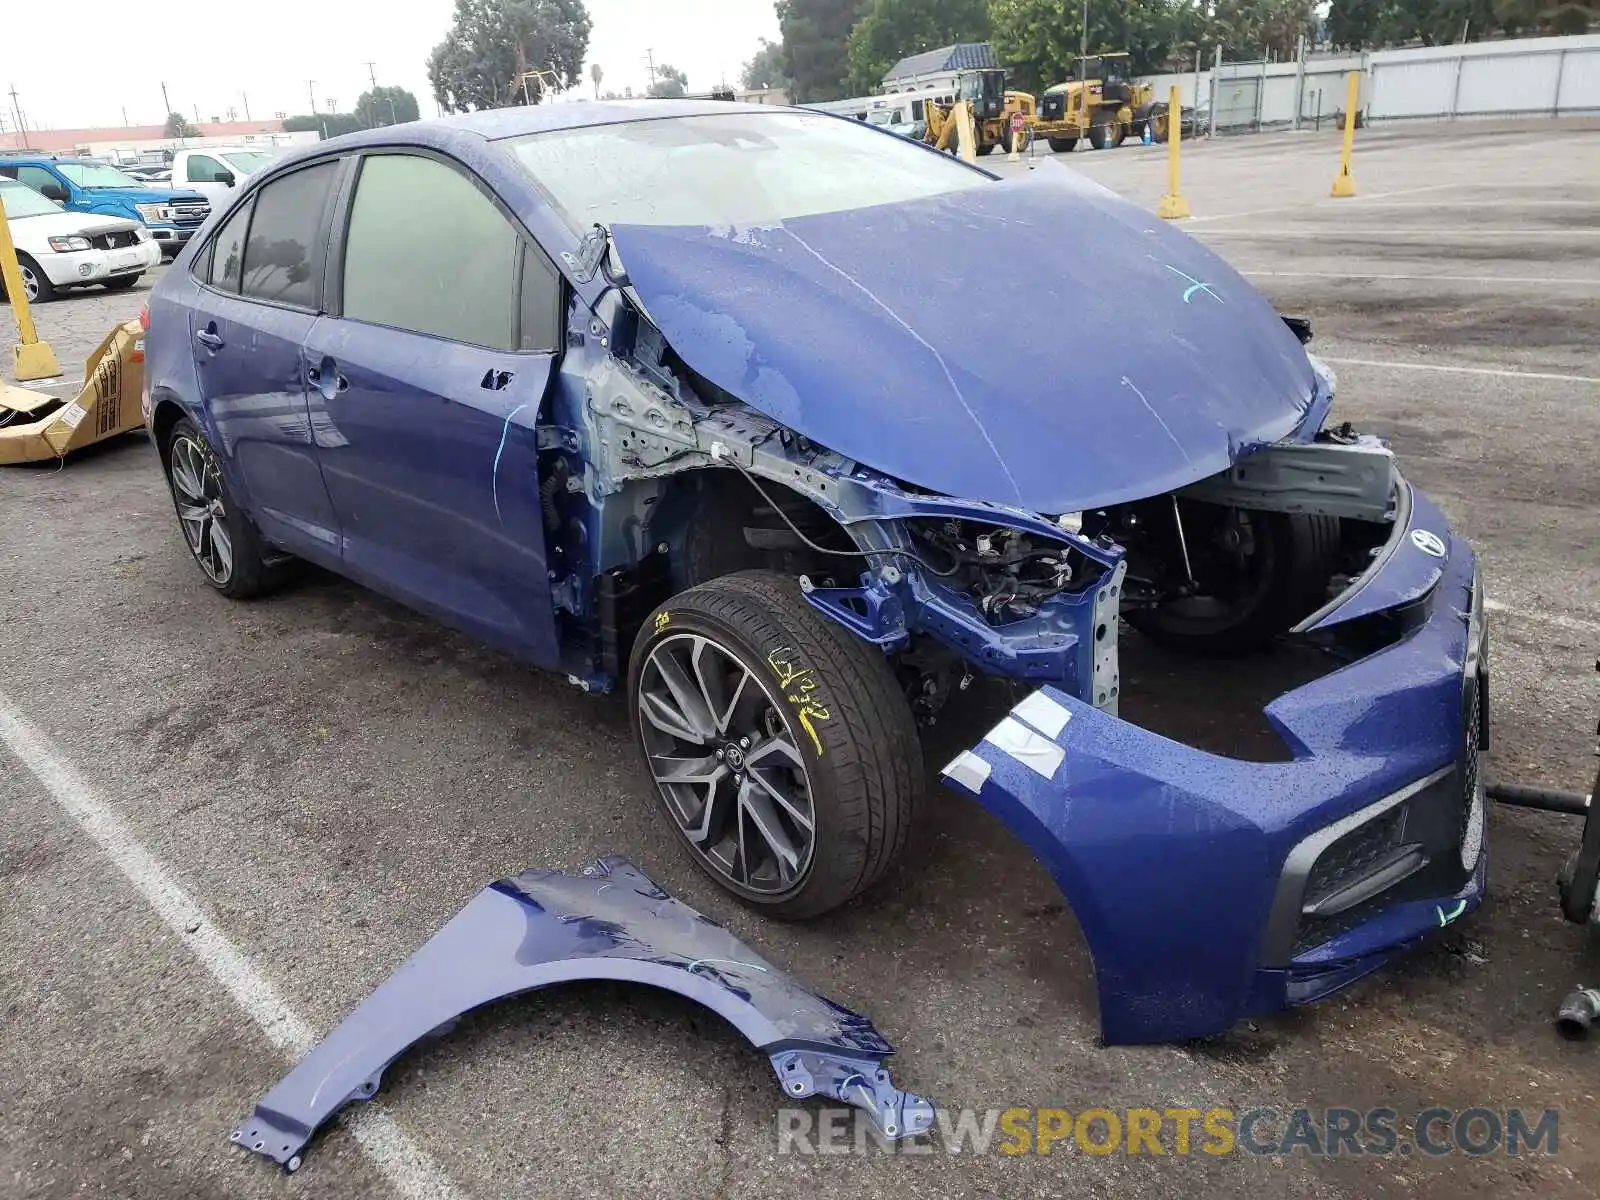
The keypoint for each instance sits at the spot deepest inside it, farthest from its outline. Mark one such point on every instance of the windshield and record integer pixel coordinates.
(246, 161)
(22, 201)
(730, 169)
(97, 175)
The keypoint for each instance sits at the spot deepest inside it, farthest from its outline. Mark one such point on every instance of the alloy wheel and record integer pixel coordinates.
(30, 283)
(725, 757)
(197, 491)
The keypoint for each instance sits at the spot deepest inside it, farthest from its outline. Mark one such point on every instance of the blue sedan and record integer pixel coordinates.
(708, 402)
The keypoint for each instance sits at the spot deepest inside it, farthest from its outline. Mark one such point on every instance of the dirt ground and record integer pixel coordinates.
(330, 778)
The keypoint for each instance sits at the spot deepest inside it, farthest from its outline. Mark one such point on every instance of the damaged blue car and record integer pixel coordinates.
(695, 400)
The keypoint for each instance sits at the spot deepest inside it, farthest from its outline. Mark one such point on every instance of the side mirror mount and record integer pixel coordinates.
(226, 178)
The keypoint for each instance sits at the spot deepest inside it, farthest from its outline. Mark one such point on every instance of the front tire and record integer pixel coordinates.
(1062, 145)
(221, 538)
(783, 751)
(122, 283)
(36, 285)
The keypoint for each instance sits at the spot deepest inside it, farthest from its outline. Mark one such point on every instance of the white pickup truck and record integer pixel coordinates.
(215, 170)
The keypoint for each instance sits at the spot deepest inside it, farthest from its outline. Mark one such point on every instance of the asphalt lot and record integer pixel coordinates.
(331, 777)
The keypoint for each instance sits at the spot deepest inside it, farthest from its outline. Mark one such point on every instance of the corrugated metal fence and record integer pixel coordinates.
(1556, 76)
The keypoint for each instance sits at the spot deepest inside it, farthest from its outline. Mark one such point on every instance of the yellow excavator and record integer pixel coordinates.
(1100, 105)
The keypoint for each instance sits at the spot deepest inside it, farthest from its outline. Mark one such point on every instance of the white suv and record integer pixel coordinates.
(59, 249)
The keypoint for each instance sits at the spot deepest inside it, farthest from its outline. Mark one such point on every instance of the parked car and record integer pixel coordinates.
(149, 175)
(82, 185)
(57, 249)
(214, 171)
(665, 396)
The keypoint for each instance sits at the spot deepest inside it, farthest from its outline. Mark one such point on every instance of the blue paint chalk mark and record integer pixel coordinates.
(505, 432)
(1196, 285)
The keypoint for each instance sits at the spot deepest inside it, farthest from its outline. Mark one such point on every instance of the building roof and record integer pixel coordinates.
(963, 56)
(70, 139)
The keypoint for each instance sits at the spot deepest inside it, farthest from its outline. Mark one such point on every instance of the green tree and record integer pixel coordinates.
(386, 106)
(765, 68)
(1353, 24)
(327, 124)
(1039, 39)
(815, 33)
(178, 126)
(892, 29)
(670, 83)
(491, 42)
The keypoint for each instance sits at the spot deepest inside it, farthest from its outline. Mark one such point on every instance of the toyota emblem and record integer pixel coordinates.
(1428, 542)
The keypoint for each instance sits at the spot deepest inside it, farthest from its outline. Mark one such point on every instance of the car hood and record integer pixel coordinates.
(144, 195)
(1038, 341)
(33, 230)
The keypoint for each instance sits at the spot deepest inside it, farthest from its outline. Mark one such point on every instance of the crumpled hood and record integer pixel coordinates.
(1038, 341)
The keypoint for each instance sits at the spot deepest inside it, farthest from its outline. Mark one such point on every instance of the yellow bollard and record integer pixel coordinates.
(33, 359)
(1343, 183)
(1174, 206)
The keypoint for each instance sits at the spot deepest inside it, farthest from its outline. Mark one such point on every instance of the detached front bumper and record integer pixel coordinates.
(1208, 888)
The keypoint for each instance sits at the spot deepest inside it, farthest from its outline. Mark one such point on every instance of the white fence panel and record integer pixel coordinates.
(1524, 83)
(1415, 88)
(1580, 82)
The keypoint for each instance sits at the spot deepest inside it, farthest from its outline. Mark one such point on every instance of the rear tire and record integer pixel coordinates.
(1062, 145)
(818, 706)
(1105, 137)
(221, 538)
(985, 149)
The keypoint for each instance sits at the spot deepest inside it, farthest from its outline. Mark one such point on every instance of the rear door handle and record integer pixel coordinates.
(209, 338)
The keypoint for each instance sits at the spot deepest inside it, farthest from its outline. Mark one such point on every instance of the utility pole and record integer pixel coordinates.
(650, 57)
(124, 116)
(311, 89)
(22, 129)
(166, 105)
(372, 73)
(246, 100)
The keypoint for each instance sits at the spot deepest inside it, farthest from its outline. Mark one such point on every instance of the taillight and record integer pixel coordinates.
(144, 318)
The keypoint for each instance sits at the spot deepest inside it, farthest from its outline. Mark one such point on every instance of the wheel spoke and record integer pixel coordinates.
(692, 704)
(668, 769)
(775, 748)
(710, 672)
(193, 512)
(183, 473)
(758, 807)
(661, 713)
(222, 547)
(800, 818)
(705, 828)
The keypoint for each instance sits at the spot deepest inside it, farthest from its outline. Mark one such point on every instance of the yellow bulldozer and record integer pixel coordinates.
(984, 92)
(1100, 105)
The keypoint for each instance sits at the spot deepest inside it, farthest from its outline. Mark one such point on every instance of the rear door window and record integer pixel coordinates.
(285, 249)
(225, 264)
(203, 169)
(428, 251)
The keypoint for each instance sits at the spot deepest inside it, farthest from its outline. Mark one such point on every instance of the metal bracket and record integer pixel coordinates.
(1332, 478)
(873, 612)
(859, 1081)
(591, 253)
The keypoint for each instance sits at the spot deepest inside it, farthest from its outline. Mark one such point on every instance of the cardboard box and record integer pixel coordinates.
(37, 426)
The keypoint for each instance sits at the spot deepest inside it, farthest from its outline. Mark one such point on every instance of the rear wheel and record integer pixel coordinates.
(1062, 145)
(223, 540)
(984, 148)
(1106, 136)
(783, 751)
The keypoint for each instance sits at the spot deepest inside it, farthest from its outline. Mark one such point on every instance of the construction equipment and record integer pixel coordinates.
(985, 95)
(36, 426)
(1099, 105)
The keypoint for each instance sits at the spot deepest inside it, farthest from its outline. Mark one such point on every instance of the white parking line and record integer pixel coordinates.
(1560, 620)
(411, 1170)
(1498, 372)
(1320, 203)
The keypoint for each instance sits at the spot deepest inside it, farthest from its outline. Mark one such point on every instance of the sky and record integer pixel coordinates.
(271, 55)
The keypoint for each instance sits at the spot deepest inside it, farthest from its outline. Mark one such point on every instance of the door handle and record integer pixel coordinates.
(209, 338)
(327, 379)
